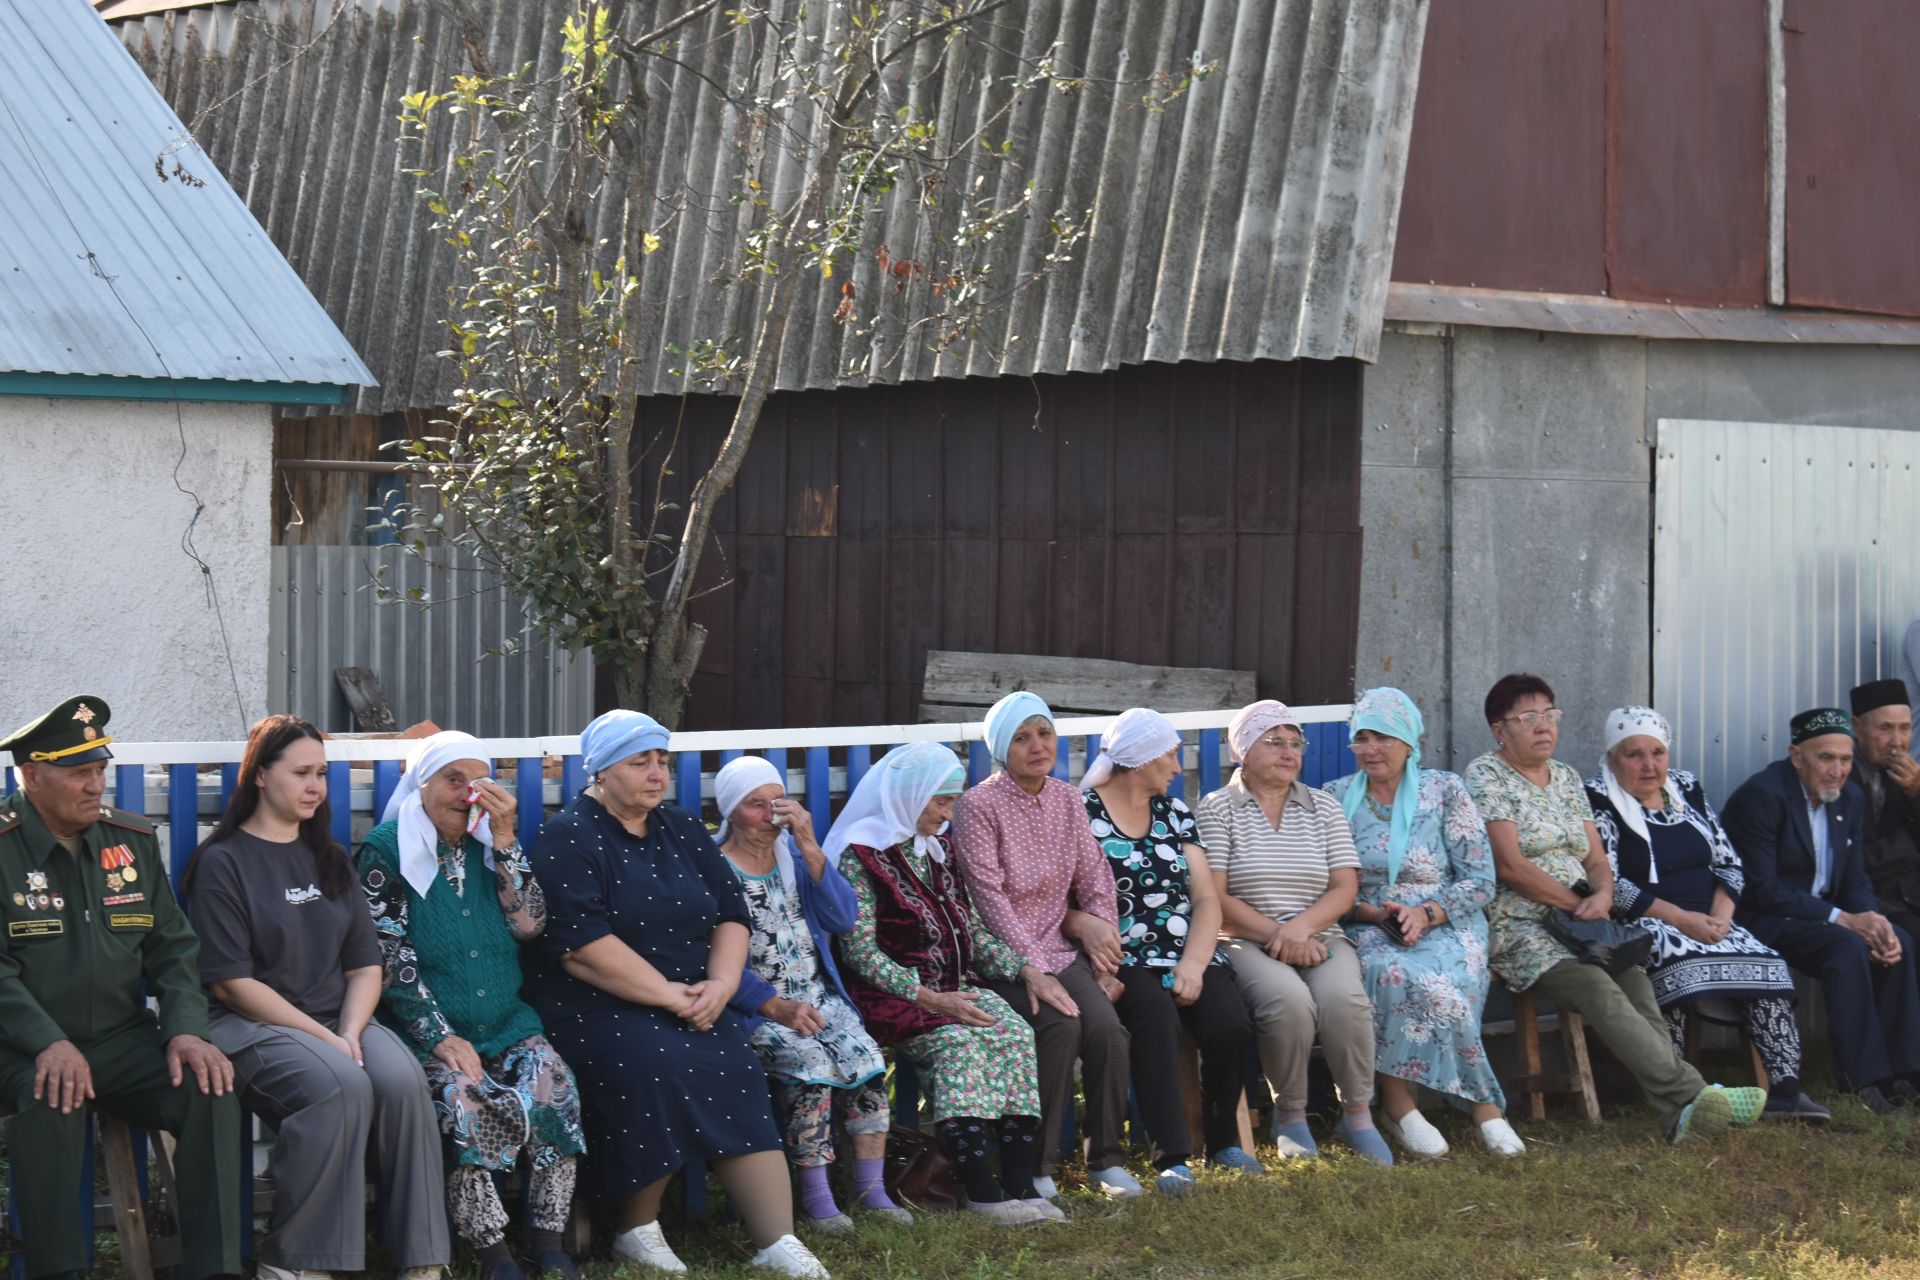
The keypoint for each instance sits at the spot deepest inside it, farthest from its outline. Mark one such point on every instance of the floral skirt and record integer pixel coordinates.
(525, 1104)
(1427, 1002)
(983, 1072)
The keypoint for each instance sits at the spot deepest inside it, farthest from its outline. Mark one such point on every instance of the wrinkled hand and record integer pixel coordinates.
(962, 1006)
(1044, 988)
(1593, 907)
(1905, 773)
(1111, 987)
(62, 1078)
(1412, 921)
(1100, 940)
(1292, 943)
(209, 1066)
(799, 822)
(1187, 983)
(499, 805)
(460, 1055)
(710, 998)
(795, 1015)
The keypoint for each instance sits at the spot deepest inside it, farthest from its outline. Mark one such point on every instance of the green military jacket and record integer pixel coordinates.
(82, 933)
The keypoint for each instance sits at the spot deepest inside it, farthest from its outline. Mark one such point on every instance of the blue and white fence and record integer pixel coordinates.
(176, 783)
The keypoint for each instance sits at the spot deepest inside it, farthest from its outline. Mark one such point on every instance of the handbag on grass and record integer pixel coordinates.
(1606, 942)
(919, 1173)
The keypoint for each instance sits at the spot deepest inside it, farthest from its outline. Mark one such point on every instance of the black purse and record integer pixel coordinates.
(1608, 943)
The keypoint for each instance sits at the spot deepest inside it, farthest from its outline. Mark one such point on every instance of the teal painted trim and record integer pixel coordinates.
(88, 386)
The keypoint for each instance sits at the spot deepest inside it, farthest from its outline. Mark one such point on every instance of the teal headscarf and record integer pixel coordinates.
(1392, 713)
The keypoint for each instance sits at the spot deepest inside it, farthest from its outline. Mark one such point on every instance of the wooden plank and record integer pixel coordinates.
(123, 1185)
(1088, 685)
(361, 688)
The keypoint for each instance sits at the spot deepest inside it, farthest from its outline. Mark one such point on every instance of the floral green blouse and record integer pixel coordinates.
(1551, 825)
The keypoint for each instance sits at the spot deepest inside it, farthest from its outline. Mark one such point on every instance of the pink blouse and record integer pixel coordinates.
(1027, 859)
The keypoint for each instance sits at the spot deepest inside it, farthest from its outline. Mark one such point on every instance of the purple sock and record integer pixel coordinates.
(870, 1184)
(816, 1195)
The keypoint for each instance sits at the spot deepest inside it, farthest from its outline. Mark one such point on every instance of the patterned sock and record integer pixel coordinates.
(1019, 1150)
(870, 1184)
(964, 1139)
(816, 1193)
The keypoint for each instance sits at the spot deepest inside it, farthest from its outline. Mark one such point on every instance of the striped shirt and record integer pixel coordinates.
(1278, 871)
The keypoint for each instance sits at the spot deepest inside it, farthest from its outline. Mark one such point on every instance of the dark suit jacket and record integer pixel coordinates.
(1892, 842)
(1767, 821)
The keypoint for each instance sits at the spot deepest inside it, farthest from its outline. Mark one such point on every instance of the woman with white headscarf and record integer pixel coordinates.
(452, 899)
(917, 962)
(1420, 925)
(1172, 972)
(1676, 873)
(1285, 865)
(645, 943)
(792, 1003)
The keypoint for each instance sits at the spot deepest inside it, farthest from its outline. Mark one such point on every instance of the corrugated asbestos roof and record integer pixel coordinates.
(106, 268)
(1252, 219)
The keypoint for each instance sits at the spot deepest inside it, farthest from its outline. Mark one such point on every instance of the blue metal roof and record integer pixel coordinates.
(123, 252)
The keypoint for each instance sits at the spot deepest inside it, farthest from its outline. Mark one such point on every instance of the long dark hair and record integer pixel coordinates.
(267, 742)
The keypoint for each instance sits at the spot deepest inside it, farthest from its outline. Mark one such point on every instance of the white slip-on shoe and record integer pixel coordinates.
(1501, 1139)
(1045, 1210)
(788, 1257)
(838, 1225)
(1045, 1188)
(1115, 1183)
(647, 1245)
(1008, 1213)
(1415, 1135)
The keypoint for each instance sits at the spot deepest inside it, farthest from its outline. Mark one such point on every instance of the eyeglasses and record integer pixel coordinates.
(1528, 719)
(1282, 744)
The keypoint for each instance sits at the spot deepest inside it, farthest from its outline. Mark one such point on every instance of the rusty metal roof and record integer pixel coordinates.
(1252, 219)
(122, 251)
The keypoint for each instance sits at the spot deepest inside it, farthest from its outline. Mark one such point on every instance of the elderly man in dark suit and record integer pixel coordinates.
(1890, 777)
(1798, 826)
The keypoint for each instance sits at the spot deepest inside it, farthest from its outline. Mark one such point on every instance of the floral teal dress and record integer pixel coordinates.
(1427, 998)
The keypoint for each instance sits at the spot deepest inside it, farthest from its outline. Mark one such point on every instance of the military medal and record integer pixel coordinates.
(19, 899)
(59, 903)
(115, 882)
(117, 862)
(36, 880)
(129, 875)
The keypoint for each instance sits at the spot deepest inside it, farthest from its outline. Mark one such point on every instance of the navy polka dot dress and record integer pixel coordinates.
(655, 1092)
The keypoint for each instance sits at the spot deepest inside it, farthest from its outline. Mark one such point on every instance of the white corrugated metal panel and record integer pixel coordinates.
(1252, 219)
(1783, 575)
(107, 267)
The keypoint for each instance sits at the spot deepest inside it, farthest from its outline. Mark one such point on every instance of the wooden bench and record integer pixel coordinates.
(961, 686)
(140, 1250)
(1534, 1082)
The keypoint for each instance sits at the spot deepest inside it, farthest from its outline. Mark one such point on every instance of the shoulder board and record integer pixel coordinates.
(128, 819)
(9, 817)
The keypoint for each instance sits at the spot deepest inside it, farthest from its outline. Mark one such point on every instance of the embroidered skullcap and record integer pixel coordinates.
(1633, 722)
(618, 734)
(1876, 694)
(416, 835)
(1391, 712)
(885, 807)
(1005, 717)
(1138, 737)
(1819, 722)
(1253, 720)
(736, 781)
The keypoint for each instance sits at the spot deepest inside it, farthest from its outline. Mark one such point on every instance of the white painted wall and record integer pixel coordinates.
(98, 596)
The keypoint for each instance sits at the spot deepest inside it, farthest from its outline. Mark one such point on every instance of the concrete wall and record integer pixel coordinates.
(1506, 495)
(100, 597)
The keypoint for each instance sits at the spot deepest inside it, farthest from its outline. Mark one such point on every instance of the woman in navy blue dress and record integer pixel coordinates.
(646, 937)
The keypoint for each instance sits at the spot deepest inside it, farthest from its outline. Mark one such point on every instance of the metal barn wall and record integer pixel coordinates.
(433, 664)
(1784, 575)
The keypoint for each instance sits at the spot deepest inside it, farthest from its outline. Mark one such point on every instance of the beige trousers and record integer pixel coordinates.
(1290, 1005)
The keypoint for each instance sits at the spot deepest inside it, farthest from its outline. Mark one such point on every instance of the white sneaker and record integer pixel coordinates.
(1415, 1134)
(1045, 1210)
(1115, 1183)
(1501, 1139)
(788, 1257)
(411, 1273)
(647, 1245)
(1009, 1213)
(267, 1271)
(1045, 1188)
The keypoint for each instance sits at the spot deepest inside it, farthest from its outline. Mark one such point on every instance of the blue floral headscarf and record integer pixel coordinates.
(1392, 713)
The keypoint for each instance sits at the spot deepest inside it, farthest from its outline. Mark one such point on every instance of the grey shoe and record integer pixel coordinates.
(886, 1212)
(838, 1225)
(1798, 1107)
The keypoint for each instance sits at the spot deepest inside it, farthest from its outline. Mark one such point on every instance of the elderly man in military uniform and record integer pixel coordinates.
(1883, 727)
(89, 917)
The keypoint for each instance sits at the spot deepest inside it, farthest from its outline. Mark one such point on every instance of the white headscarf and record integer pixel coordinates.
(417, 835)
(736, 781)
(886, 807)
(1252, 721)
(1138, 737)
(1624, 723)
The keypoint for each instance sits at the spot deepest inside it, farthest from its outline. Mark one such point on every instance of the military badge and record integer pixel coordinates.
(19, 899)
(36, 880)
(59, 903)
(115, 882)
(129, 875)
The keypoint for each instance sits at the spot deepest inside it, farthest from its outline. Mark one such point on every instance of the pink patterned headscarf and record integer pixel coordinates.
(1254, 720)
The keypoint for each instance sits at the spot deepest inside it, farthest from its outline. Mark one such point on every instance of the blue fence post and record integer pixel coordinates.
(727, 757)
(183, 819)
(229, 780)
(1062, 758)
(859, 760)
(1093, 749)
(386, 781)
(1177, 788)
(6, 789)
(530, 789)
(573, 779)
(340, 783)
(130, 788)
(1209, 761)
(979, 762)
(777, 757)
(819, 791)
(686, 792)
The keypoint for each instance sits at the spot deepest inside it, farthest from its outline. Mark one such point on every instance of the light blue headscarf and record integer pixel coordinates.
(618, 734)
(1005, 717)
(1391, 712)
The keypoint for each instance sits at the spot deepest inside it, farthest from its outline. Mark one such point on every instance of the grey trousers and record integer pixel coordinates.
(1623, 1013)
(334, 1119)
(1289, 1005)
